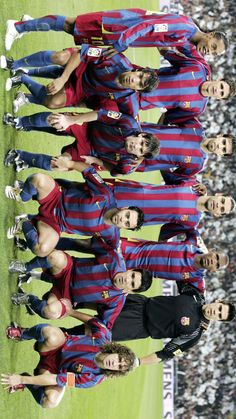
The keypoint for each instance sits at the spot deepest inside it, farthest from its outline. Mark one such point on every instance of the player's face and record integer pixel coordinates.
(213, 261)
(111, 362)
(218, 205)
(220, 145)
(218, 89)
(135, 80)
(125, 218)
(128, 281)
(215, 311)
(210, 45)
(137, 145)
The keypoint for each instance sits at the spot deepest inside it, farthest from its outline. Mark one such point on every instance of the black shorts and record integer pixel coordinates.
(131, 322)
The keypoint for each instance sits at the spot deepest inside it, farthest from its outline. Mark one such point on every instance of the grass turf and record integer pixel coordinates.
(140, 394)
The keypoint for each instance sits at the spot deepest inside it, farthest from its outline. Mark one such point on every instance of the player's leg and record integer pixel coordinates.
(52, 395)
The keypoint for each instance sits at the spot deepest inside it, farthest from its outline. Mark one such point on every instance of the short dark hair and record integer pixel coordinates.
(233, 142)
(153, 145)
(232, 87)
(140, 220)
(123, 352)
(221, 35)
(146, 280)
(232, 310)
(152, 81)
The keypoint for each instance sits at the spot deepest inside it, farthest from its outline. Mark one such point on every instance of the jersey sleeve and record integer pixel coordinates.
(129, 35)
(110, 311)
(190, 289)
(96, 184)
(179, 345)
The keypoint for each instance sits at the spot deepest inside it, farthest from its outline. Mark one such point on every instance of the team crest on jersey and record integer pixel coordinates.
(111, 96)
(94, 52)
(117, 157)
(185, 321)
(105, 294)
(84, 41)
(161, 27)
(78, 368)
(114, 115)
(186, 105)
(184, 217)
(185, 275)
(187, 159)
(178, 352)
(98, 178)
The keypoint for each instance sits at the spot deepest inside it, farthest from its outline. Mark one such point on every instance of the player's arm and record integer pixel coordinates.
(10, 380)
(64, 164)
(151, 359)
(78, 315)
(61, 121)
(59, 83)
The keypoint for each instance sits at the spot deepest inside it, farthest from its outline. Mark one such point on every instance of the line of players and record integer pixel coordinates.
(110, 137)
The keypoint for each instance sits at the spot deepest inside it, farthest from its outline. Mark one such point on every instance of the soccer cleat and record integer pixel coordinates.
(13, 193)
(17, 266)
(19, 101)
(19, 184)
(20, 244)
(20, 165)
(16, 229)
(9, 119)
(11, 34)
(6, 63)
(14, 81)
(25, 278)
(14, 331)
(11, 157)
(18, 387)
(20, 298)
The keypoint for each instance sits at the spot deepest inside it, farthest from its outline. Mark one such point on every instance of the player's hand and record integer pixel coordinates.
(200, 189)
(10, 380)
(55, 86)
(92, 160)
(110, 52)
(60, 163)
(61, 121)
(68, 306)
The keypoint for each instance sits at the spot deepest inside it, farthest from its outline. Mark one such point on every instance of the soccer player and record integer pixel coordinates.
(70, 207)
(124, 28)
(114, 138)
(87, 73)
(183, 147)
(81, 361)
(183, 318)
(103, 280)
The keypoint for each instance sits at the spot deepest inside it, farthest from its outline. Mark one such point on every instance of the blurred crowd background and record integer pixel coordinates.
(206, 377)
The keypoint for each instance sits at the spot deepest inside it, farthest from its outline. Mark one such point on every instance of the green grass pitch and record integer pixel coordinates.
(138, 396)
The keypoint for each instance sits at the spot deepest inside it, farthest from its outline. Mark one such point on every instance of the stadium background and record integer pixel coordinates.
(205, 378)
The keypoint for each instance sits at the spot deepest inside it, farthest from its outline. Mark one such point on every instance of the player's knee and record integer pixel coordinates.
(57, 259)
(52, 397)
(52, 311)
(42, 249)
(61, 57)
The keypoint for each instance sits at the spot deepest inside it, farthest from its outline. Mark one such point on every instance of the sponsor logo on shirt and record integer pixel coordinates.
(94, 52)
(184, 217)
(185, 275)
(111, 96)
(114, 115)
(187, 159)
(78, 368)
(105, 294)
(161, 27)
(185, 321)
(186, 105)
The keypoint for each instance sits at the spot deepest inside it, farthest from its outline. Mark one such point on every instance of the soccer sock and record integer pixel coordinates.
(38, 262)
(38, 306)
(42, 161)
(28, 190)
(37, 392)
(39, 59)
(49, 72)
(38, 90)
(42, 24)
(35, 332)
(30, 233)
(37, 120)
